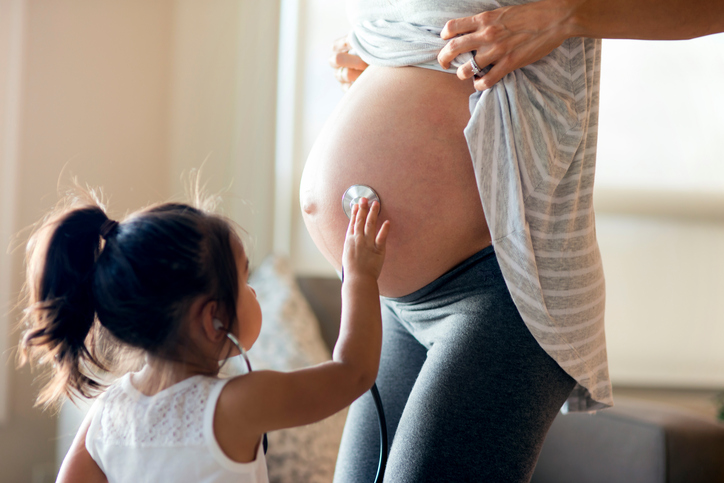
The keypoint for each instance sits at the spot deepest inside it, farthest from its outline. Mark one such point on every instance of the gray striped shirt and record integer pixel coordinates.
(532, 139)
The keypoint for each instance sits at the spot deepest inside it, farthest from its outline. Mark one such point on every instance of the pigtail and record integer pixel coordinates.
(61, 311)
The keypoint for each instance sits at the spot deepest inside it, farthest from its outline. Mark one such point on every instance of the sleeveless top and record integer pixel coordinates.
(165, 437)
(532, 139)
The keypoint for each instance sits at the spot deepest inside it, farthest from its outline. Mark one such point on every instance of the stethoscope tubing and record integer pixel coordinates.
(383, 434)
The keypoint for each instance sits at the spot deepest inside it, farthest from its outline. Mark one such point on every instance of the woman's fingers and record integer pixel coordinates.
(497, 72)
(353, 75)
(341, 75)
(457, 46)
(459, 26)
(347, 67)
(341, 44)
(466, 71)
(507, 38)
(345, 75)
(468, 34)
(344, 59)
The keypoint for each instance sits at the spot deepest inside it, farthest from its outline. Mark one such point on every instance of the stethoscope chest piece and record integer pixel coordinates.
(355, 193)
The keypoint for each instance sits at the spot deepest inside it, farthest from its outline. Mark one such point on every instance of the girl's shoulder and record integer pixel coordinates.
(125, 415)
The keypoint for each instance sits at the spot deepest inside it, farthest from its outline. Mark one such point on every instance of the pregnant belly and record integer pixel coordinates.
(400, 131)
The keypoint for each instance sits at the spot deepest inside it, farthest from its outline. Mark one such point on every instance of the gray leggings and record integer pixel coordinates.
(468, 393)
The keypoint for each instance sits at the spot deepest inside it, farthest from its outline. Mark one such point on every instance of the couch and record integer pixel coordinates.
(633, 442)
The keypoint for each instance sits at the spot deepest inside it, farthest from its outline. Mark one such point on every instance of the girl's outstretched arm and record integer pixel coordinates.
(78, 464)
(266, 400)
(512, 37)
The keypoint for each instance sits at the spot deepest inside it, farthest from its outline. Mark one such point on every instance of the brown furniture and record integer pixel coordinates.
(634, 442)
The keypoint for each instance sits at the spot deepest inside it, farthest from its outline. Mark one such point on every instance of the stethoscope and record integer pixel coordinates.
(235, 363)
(351, 197)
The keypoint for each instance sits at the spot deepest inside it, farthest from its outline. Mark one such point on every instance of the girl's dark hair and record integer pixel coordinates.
(136, 283)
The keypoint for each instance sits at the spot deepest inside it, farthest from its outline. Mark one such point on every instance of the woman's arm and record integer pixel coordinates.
(512, 37)
(645, 19)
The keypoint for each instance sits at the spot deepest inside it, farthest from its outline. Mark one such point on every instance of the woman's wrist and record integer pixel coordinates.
(570, 19)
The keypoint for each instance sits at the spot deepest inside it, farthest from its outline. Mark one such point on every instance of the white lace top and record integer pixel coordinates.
(165, 437)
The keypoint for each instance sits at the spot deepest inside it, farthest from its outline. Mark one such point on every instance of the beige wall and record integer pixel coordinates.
(127, 96)
(222, 112)
(664, 267)
(93, 103)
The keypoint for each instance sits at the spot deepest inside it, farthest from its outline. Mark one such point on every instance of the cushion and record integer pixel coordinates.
(290, 339)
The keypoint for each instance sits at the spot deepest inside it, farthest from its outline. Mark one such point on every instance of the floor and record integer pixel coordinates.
(701, 401)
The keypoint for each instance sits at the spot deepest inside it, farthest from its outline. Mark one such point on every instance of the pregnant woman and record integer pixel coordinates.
(493, 292)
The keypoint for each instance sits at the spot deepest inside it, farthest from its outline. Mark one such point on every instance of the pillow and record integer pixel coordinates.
(290, 339)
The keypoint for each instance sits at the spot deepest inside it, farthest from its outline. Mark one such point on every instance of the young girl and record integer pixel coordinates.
(170, 282)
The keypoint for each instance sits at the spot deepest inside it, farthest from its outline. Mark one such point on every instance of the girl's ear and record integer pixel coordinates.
(210, 322)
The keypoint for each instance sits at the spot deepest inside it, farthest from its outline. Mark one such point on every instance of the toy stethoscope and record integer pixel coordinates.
(351, 197)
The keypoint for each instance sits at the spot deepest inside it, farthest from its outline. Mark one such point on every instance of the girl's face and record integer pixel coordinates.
(248, 311)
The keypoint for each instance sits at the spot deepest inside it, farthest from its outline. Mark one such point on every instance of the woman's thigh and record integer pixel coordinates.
(471, 401)
(481, 405)
(401, 361)
(487, 393)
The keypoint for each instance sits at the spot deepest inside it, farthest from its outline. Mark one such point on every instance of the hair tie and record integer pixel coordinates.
(107, 228)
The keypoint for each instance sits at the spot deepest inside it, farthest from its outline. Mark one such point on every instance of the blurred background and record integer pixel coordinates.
(132, 95)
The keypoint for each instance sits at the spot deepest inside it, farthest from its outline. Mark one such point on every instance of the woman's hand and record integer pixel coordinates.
(508, 38)
(347, 67)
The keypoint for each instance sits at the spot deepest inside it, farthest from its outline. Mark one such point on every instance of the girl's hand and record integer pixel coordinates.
(364, 245)
(508, 38)
(347, 67)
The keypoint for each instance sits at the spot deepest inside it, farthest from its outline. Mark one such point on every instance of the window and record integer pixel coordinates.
(662, 115)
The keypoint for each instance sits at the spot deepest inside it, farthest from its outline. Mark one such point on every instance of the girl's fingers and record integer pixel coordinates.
(382, 235)
(371, 224)
(359, 228)
(352, 221)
